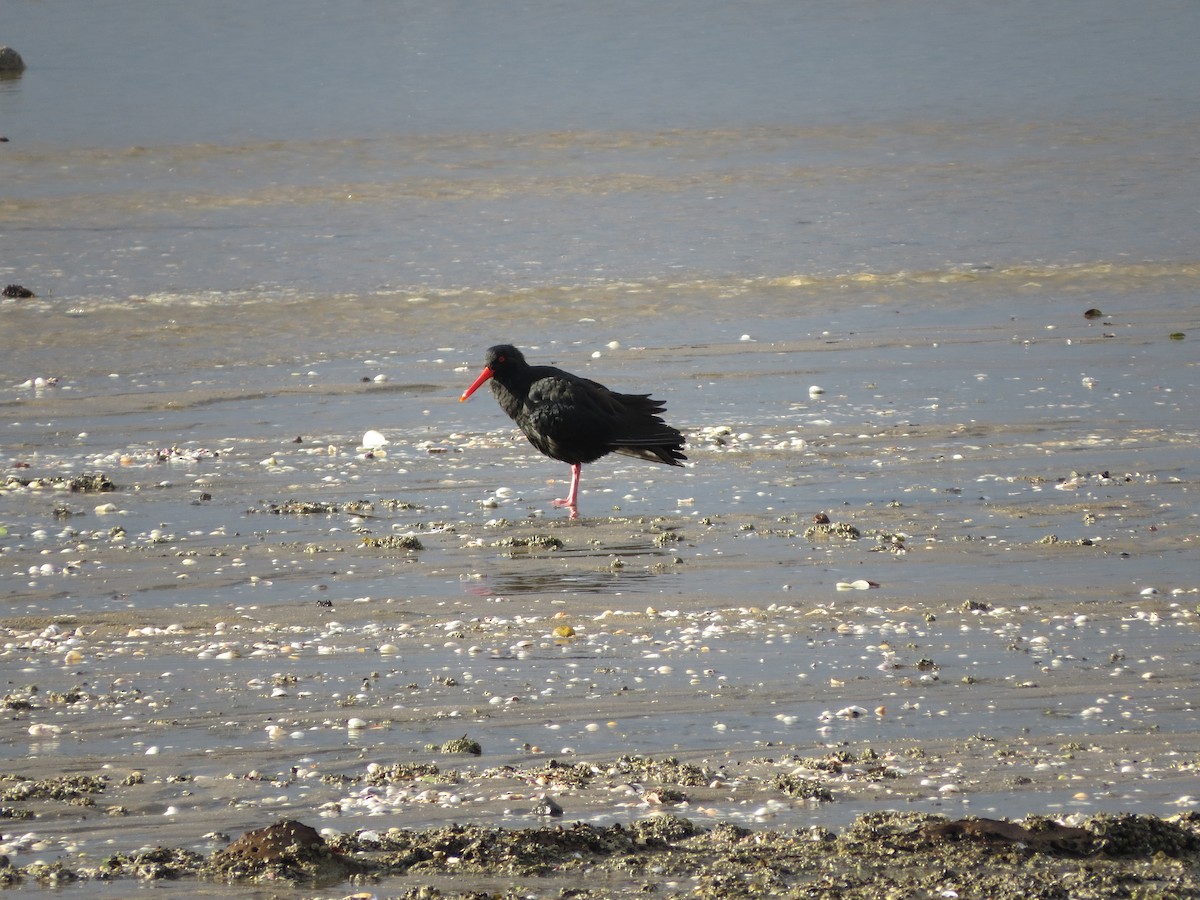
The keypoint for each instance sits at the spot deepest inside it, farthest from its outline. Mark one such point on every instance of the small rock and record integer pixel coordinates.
(10, 60)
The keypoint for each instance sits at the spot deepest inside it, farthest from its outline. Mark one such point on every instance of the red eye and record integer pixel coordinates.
(499, 359)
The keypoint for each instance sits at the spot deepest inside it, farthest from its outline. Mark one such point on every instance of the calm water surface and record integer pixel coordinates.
(221, 152)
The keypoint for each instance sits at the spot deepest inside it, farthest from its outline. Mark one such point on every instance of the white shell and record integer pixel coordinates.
(373, 440)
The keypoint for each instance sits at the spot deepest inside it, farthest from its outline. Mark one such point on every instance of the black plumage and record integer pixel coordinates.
(574, 419)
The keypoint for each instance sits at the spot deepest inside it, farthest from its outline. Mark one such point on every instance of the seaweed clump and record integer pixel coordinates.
(87, 483)
(463, 744)
(533, 542)
(832, 530)
(802, 788)
(315, 508)
(286, 851)
(67, 788)
(1125, 834)
(407, 542)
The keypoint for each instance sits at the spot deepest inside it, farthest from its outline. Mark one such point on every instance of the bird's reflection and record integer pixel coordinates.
(568, 582)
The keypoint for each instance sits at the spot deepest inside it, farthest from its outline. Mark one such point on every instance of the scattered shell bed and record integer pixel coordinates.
(804, 665)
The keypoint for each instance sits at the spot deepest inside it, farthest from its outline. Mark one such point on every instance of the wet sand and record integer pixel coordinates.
(852, 246)
(223, 611)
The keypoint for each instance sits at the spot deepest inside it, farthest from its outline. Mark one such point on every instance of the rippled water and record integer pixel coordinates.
(298, 149)
(276, 227)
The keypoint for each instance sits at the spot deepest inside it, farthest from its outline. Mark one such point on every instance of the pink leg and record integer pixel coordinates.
(572, 499)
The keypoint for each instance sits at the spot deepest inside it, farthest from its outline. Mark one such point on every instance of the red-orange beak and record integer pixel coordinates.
(483, 376)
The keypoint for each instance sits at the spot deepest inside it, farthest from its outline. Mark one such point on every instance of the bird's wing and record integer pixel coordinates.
(571, 408)
(587, 410)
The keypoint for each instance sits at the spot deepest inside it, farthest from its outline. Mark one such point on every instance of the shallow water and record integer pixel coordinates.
(943, 443)
(232, 294)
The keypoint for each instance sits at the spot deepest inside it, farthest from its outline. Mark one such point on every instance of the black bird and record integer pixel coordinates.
(576, 420)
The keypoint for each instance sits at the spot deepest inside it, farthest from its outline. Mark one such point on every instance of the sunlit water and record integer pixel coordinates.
(248, 225)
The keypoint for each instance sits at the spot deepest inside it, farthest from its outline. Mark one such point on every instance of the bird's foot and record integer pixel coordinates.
(570, 504)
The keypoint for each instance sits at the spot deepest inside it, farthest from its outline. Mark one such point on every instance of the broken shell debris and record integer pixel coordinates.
(839, 649)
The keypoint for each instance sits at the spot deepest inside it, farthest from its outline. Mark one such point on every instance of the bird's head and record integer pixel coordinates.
(500, 360)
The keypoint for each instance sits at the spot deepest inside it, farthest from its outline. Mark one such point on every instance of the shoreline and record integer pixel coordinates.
(878, 854)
